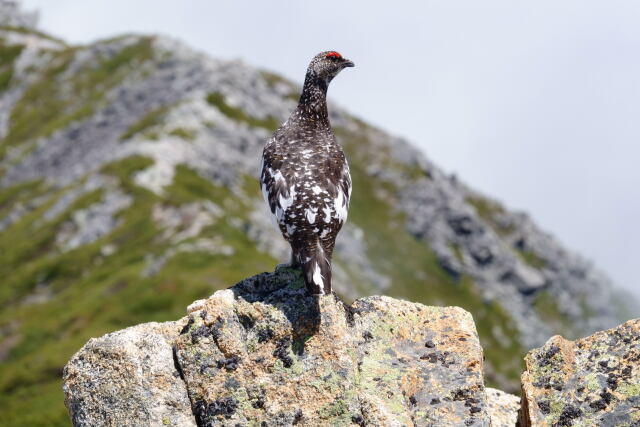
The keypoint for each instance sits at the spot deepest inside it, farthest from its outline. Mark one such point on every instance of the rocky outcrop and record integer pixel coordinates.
(594, 381)
(128, 378)
(265, 352)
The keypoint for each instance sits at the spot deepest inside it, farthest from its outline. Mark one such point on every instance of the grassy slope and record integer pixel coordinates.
(94, 294)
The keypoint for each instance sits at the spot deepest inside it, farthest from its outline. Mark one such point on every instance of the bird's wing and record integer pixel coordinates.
(277, 190)
(345, 182)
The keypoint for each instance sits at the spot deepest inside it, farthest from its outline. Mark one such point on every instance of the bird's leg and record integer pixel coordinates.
(293, 263)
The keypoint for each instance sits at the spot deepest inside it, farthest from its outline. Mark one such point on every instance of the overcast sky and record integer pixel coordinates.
(536, 103)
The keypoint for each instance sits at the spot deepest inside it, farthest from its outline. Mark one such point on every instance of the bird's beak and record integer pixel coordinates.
(347, 63)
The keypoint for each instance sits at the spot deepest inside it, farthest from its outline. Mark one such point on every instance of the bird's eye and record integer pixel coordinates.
(334, 55)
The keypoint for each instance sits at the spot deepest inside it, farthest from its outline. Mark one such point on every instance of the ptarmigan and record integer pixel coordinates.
(305, 177)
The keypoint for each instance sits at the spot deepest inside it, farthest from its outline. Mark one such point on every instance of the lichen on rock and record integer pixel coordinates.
(264, 351)
(128, 378)
(588, 382)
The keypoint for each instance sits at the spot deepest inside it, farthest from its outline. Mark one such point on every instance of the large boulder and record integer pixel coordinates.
(594, 381)
(265, 353)
(128, 378)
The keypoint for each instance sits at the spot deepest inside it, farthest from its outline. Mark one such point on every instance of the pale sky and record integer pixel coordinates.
(535, 103)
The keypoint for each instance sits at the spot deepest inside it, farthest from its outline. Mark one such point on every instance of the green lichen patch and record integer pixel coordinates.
(592, 381)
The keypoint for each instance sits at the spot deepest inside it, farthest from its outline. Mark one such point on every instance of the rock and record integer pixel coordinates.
(264, 351)
(128, 378)
(592, 381)
(502, 408)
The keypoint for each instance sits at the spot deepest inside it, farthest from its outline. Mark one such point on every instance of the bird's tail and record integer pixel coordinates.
(316, 268)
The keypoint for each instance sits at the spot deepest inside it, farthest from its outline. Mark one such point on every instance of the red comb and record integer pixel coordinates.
(334, 55)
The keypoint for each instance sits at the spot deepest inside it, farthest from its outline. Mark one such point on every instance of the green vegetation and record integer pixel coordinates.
(186, 134)
(149, 120)
(8, 54)
(55, 100)
(457, 252)
(5, 79)
(217, 100)
(489, 210)
(25, 30)
(531, 258)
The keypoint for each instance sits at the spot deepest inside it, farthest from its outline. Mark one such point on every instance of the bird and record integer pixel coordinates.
(305, 177)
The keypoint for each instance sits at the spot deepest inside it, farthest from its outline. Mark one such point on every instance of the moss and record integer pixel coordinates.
(489, 210)
(217, 100)
(186, 134)
(149, 120)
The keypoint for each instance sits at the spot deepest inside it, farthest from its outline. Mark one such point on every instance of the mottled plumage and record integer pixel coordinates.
(305, 177)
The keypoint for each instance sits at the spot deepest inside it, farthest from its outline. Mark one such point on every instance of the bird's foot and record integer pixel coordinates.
(288, 266)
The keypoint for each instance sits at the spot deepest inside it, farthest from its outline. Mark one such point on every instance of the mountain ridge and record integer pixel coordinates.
(128, 189)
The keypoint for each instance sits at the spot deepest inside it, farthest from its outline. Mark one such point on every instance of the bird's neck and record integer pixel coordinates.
(313, 101)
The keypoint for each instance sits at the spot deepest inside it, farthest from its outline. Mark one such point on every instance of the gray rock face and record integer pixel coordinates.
(264, 351)
(128, 378)
(594, 381)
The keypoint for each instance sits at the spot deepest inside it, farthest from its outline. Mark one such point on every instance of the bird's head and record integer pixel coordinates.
(326, 65)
